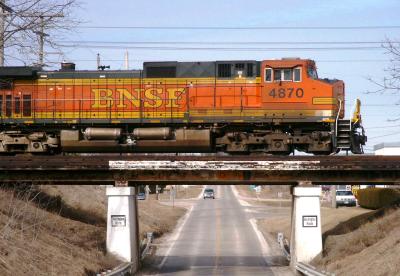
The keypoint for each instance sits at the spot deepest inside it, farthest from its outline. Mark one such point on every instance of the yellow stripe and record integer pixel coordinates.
(137, 81)
(106, 115)
(262, 112)
(324, 100)
(115, 115)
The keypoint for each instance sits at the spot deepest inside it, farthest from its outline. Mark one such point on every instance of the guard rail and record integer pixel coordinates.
(125, 269)
(301, 267)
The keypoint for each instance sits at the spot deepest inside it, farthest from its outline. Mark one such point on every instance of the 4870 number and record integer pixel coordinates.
(286, 93)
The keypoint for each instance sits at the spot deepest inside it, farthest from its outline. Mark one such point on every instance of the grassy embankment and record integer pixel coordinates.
(356, 241)
(61, 230)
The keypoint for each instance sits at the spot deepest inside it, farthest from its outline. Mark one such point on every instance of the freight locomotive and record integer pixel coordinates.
(236, 107)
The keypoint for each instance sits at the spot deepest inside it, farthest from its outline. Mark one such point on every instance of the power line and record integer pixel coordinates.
(380, 127)
(318, 61)
(244, 27)
(380, 136)
(165, 48)
(223, 42)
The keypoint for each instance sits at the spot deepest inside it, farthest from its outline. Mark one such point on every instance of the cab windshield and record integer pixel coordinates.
(312, 72)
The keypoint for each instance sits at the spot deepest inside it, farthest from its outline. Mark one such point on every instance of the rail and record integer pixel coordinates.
(125, 269)
(310, 270)
(305, 269)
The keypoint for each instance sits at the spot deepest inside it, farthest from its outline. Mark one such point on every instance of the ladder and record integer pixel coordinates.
(343, 135)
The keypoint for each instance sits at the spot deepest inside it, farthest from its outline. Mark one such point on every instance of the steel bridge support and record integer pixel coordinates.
(122, 224)
(306, 236)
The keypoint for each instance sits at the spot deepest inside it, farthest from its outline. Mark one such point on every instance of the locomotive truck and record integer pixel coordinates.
(236, 107)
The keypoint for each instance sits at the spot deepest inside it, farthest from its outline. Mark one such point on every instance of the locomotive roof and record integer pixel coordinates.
(163, 69)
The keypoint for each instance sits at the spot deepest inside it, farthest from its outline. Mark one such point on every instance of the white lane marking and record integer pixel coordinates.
(202, 192)
(236, 193)
(265, 248)
(176, 236)
(250, 211)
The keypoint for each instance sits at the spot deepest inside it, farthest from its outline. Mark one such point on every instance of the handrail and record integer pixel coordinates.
(336, 121)
(310, 270)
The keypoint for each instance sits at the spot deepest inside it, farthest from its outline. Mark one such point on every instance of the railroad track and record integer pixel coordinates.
(171, 169)
(82, 162)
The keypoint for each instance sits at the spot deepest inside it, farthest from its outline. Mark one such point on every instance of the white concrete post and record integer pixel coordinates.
(306, 237)
(122, 225)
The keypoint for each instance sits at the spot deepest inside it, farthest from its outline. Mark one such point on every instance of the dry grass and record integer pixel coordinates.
(371, 249)
(153, 217)
(61, 230)
(330, 218)
(38, 242)
(157, 218)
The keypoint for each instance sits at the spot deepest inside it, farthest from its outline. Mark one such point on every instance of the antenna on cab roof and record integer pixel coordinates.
(99, 66)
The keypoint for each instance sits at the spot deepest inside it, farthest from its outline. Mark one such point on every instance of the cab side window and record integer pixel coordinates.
(277, 75)
(268, 74)
(297, 74)
(285, 74)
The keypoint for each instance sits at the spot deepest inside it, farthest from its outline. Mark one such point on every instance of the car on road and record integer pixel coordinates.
(345, 198)
(209, 193)
(141, 196)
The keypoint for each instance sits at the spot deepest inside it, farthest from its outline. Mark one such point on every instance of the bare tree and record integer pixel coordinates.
(29, 24)
(391, 82)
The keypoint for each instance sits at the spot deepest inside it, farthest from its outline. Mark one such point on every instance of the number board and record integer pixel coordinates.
(287, 93)
(118, 221)
(310, 221)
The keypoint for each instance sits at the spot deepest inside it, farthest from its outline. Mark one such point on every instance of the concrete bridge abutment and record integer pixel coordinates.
(122, 224)
(306, 235)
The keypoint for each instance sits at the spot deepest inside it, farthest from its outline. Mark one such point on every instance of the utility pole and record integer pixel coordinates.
(4, 9)
(41, 33)
(2, 19)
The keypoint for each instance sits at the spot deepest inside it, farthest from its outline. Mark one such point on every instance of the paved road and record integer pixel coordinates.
(218, 239)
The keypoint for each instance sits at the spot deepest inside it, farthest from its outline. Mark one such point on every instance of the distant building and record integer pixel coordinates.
(387, 149)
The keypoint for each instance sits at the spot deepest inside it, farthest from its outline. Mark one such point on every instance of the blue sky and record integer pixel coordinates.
(352, 66)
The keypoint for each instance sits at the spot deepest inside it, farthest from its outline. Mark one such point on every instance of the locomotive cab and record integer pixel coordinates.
(292, 86)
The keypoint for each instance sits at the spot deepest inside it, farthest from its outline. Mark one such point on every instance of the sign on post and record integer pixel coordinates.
(310, 221)
(118, 220)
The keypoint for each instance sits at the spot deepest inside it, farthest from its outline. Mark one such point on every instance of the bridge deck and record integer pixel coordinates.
(162, 169)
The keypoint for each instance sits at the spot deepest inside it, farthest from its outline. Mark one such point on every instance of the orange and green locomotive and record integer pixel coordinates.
(236, 107)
